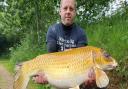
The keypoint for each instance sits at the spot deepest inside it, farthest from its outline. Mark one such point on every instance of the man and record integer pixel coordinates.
(65, 35)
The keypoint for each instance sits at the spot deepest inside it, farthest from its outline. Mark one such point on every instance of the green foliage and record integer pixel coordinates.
(23, 17)
(111, 34)
(4, 62)
(26, 51)
(89, 9)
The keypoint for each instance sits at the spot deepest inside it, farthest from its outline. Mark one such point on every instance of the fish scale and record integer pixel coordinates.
(66, 69)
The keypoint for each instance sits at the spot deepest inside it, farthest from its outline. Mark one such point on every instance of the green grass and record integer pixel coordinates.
(112, 35)
(6, 63)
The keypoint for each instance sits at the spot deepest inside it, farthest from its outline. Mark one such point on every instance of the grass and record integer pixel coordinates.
(111, 34)
(6, 63)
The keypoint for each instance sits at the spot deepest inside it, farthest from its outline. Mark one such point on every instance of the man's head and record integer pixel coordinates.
(67, 11)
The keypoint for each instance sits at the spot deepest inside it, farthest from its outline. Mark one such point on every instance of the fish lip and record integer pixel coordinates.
(109, 67)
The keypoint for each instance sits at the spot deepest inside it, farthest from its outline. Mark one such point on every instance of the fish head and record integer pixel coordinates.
(104, 60)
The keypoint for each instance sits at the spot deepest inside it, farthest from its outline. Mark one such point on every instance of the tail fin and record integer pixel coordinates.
(101, 78)
(21, 79)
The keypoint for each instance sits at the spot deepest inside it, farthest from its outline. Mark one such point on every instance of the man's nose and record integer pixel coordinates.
(68, 10)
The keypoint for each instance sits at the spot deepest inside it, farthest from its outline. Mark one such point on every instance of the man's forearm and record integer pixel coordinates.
(51, 47)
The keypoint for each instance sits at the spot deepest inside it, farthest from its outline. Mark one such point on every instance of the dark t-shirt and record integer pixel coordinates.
(60, 37)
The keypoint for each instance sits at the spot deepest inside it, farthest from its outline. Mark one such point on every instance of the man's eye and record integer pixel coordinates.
(71, 9)
(65, 8)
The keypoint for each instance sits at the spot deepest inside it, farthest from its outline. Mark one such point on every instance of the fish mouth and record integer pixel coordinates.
(112, 66)
(109, 67)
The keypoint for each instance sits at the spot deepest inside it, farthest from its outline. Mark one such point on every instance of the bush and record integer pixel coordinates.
(25, 51)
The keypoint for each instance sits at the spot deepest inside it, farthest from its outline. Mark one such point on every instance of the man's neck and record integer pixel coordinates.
(67, 27)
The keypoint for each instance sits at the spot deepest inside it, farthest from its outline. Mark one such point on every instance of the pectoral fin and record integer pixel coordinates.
(101, 78)
(77, 87)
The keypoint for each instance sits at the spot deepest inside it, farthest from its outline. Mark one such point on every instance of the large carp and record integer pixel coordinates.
(67, 69)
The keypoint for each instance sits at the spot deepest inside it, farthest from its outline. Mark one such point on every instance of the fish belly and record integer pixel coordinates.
(69, 82)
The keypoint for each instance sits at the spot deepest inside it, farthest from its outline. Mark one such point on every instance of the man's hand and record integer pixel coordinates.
(91, 81)
(40, 78)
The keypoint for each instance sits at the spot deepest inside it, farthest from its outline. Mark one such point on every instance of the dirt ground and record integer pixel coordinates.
(115, 81)
(6, 79)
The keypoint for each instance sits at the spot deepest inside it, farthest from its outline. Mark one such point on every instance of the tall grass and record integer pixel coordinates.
(25, 51)
(112, 35)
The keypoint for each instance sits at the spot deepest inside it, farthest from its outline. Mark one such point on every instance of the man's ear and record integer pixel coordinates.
(60, 12)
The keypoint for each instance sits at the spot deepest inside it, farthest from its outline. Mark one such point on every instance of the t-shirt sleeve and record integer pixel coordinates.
(82, 40)
(51, 41)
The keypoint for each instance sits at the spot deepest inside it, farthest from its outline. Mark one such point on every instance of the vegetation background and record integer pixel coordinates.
(24, 23)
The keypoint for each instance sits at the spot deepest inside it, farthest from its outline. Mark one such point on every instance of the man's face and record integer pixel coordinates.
(67, 11)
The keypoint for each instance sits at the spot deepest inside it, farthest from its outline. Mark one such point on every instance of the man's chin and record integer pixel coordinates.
(68, 23)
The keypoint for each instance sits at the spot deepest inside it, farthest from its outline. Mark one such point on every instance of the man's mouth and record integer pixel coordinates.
(68, 17)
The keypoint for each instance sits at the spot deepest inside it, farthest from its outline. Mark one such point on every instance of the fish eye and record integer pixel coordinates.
(106, 55)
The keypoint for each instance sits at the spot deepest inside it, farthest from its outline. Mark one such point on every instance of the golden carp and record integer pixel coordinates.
(67, 69)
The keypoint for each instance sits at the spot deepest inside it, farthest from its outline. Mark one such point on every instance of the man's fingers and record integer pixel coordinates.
(39, 78)
(35, 79)
(91, 74)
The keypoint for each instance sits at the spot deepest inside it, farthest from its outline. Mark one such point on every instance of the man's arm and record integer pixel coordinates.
(82, 39)
(51, 40)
